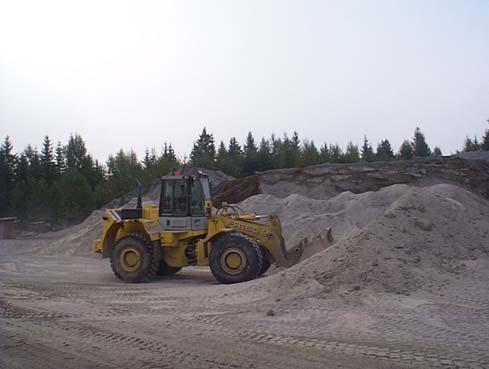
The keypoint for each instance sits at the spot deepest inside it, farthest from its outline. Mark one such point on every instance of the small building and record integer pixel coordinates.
(8, 227)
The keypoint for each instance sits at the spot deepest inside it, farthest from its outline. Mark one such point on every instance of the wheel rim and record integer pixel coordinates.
(233, 261)
(130, 259)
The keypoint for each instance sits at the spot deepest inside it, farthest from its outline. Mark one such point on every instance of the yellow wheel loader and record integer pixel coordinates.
(183, 229)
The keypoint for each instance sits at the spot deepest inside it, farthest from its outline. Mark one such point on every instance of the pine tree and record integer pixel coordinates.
(406, 151)
(367, 150)
(47, 160)
(384, 151)
(204, 151)
(420, 147)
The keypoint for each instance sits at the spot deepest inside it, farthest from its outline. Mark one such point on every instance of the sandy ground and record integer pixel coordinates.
(71, 312)
(405, 285)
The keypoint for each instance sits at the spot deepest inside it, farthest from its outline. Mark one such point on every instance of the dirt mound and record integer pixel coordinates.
(427, 239)
(236, 190)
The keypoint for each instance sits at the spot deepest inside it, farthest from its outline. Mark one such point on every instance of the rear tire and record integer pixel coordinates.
(133, 259)
(235, 258)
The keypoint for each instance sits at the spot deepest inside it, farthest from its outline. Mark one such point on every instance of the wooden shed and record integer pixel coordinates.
(8, 227)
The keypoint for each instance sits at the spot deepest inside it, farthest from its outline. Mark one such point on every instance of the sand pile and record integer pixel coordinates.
(426, 239)
(303, 217)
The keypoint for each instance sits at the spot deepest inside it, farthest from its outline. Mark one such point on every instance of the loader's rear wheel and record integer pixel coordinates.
(267, 261)
(166, 270)
(235, 258)
(133, 259)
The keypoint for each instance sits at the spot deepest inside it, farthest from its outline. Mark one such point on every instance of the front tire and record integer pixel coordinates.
(235, 258)
(133, 259)
(267, 262)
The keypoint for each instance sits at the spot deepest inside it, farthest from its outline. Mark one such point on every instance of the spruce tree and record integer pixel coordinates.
(436, 151)
(7, 175)
(60, 159)
(336, 154)
(264, 155)
(222, 154)
(310, 154)
(367, 150)
(249, 155)
(485, 140)
(47, 160)
(204, 151)
(406, 151)
(352, 153)
(148, 160)
(471, 145)
(76, 152)
(324, 154)
(384, 151)
(420, 147)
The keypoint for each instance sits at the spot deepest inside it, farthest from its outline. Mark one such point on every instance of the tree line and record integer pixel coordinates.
(63, 183)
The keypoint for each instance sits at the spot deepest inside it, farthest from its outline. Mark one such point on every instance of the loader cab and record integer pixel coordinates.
(184, 202)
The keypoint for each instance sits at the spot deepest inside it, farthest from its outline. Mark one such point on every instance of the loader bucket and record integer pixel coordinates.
(316, 244)
(286, 258)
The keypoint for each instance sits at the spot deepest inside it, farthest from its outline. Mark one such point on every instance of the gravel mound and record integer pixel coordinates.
(76, 240)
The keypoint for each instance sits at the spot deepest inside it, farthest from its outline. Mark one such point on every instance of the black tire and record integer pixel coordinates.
(165, 270)
(237, 246)
(267, 261)
(133, 259)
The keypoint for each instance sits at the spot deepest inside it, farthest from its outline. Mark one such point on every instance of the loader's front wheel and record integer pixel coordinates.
(235, 258)
(267, 263)
(133, 259)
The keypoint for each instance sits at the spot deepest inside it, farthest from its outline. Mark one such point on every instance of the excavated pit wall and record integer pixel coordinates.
(325, 181)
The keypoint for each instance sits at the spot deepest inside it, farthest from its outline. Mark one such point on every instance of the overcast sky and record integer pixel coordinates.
(134, 74)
